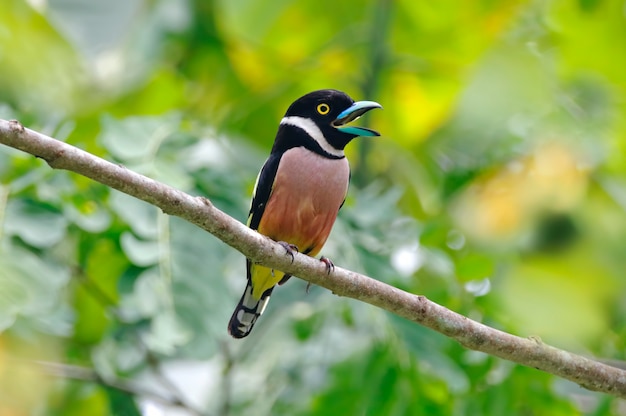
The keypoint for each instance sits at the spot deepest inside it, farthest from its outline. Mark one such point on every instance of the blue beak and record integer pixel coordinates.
(353, 112)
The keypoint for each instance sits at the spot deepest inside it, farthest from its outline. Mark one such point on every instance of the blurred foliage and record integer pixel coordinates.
(498, 190)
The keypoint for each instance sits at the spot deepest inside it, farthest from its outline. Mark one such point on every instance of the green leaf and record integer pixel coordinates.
(151, 293)
(139, 215)
(140, 253)
(30, 288)
(37, 224)
(92, 218)
(167, 333)
(121, 403)
(136, 139)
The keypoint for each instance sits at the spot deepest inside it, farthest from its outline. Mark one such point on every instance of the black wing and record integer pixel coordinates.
(344, 198)
(263, 189)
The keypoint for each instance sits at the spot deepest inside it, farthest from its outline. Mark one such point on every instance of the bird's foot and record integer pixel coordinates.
(290, 249)
(330, 266)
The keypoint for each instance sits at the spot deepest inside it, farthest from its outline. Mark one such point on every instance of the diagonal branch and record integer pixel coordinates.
(200, 211)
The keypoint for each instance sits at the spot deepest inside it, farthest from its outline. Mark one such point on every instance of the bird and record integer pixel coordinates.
(300, 189)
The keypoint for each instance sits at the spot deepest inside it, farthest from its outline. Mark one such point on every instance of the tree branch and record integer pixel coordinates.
(200, 211)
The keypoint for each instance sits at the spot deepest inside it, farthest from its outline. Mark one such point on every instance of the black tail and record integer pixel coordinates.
(247, 312)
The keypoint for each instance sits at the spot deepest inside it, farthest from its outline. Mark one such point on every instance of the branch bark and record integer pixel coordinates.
(531, 352)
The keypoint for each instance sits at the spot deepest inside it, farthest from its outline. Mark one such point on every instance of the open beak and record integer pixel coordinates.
(353, 112)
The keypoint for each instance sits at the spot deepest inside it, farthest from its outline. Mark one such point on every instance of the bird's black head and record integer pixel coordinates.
(322, 115)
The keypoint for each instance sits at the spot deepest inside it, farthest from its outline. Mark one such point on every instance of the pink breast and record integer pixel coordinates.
(307, 194)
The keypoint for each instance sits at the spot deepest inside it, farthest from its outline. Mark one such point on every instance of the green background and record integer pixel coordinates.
(497, 189)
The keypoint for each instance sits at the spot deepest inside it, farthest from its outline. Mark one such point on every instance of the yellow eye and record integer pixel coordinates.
(323, 108)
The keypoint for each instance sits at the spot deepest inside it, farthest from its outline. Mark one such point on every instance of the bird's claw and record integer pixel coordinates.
(330, 266)
(290, 249)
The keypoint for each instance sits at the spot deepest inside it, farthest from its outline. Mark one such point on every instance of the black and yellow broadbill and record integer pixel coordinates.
(300, 189)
